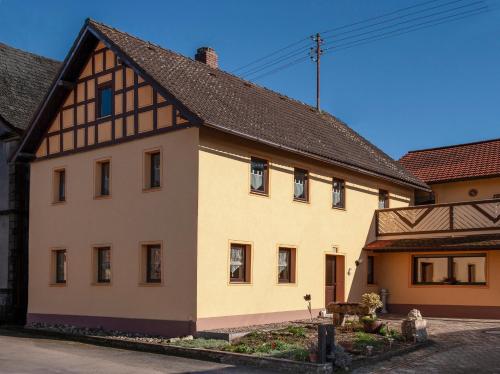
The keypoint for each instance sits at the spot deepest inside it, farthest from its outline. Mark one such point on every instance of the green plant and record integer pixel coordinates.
(298, 331)
(368, 319)
(300, 354)
(202, 343)
(372, 302)
(390, 333)
(362, 339)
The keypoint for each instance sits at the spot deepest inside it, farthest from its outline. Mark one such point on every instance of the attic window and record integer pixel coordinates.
(104, 95)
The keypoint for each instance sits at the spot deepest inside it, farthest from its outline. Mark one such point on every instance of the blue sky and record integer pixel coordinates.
(433, 87)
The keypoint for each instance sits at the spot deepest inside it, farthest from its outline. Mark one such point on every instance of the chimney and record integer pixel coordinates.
(208, 56)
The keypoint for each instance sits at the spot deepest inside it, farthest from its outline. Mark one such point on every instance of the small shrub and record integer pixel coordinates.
(362, 339)
(372, 302)
(300, 354)
(202, 343)
(390, 333)
(298, 331)
(241, 348)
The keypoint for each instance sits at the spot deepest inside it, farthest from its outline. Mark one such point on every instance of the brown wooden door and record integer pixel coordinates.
(334, 279)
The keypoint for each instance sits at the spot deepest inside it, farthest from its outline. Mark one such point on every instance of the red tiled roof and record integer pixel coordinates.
(457, 162)
(462, 243)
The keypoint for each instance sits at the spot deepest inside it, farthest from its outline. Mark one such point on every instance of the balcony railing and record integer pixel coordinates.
(439, 218)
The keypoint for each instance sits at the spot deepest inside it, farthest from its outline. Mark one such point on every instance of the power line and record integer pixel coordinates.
(301, 41)
(412, 20)
(297, 52)
(272, 54)
(411, 28)
(393, 33)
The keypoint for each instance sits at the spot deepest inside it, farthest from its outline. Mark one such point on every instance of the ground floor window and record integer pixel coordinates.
(450, 269)
(239, 268)
(370, 279)
(286, 265)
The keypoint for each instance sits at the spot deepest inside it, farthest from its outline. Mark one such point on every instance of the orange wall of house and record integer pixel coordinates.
(393, 271)
(129, 217)
(459, 191)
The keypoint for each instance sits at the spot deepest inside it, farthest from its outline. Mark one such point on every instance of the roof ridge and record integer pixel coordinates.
(28, 53)
(216, 70)
(452, 146)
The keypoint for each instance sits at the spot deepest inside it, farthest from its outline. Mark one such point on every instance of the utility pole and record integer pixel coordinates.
(316, 53)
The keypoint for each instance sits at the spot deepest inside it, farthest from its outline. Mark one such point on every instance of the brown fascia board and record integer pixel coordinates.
(33, 134)
(319, 158)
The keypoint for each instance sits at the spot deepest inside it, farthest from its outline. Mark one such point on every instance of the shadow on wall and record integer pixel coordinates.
(359, 274)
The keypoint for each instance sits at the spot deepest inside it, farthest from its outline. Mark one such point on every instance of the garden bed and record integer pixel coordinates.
(296, 341)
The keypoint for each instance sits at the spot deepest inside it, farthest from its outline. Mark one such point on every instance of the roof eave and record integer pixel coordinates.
(320, 158)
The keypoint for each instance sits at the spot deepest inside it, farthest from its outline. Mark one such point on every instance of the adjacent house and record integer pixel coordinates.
(442, 257)
(168, 196)
(24, 81)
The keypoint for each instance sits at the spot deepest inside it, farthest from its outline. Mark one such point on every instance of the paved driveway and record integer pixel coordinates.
(21, 354)
(462, 346)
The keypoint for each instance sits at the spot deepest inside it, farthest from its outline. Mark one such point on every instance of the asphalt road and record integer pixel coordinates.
(22, 354)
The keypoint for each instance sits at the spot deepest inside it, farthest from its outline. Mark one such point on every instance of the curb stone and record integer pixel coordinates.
(230, 358)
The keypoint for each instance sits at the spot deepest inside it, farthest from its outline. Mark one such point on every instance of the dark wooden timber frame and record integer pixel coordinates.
(452, 216)
(118, 68)
(450, 274)
(305, 174)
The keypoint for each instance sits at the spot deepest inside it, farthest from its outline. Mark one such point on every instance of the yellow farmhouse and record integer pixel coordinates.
(170, 197)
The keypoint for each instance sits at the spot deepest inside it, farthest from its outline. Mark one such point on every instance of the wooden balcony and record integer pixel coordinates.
(444, 219)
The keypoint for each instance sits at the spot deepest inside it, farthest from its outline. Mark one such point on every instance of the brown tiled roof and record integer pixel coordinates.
(230, 104)
(457, 162)
(462, 243)
(24, 81)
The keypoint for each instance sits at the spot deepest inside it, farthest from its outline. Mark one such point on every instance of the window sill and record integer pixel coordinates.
(59, 202)
(304, 201)
(151, 284)
(102, 197)
(258, 193)
(102, 284)
(151, 189)
(58, 284)
(342, 209)
(448, 285)
(233, 283)
(286, 283)
(103, 117)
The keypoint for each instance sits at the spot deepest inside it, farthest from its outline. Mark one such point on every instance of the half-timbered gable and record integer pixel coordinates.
(136, 108)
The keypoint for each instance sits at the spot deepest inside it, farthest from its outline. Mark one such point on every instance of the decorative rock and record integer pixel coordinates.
(414, 328)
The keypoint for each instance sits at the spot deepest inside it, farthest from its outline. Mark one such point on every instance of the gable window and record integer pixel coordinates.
(59, 258)
(153, 263)
(370, 263)
(286, 265)
(383, 199)
(152, 170)
(239, 267)
(103, 178)
(259, 175)
(338, 193)
(104, 100)
(103, 257)
(59, 185)
(300, 185)
(456, 269)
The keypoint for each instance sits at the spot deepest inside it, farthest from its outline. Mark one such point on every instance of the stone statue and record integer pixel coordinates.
(414, 327)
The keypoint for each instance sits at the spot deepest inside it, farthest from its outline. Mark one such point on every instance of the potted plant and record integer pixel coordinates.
(371, 302)
(371, 324)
